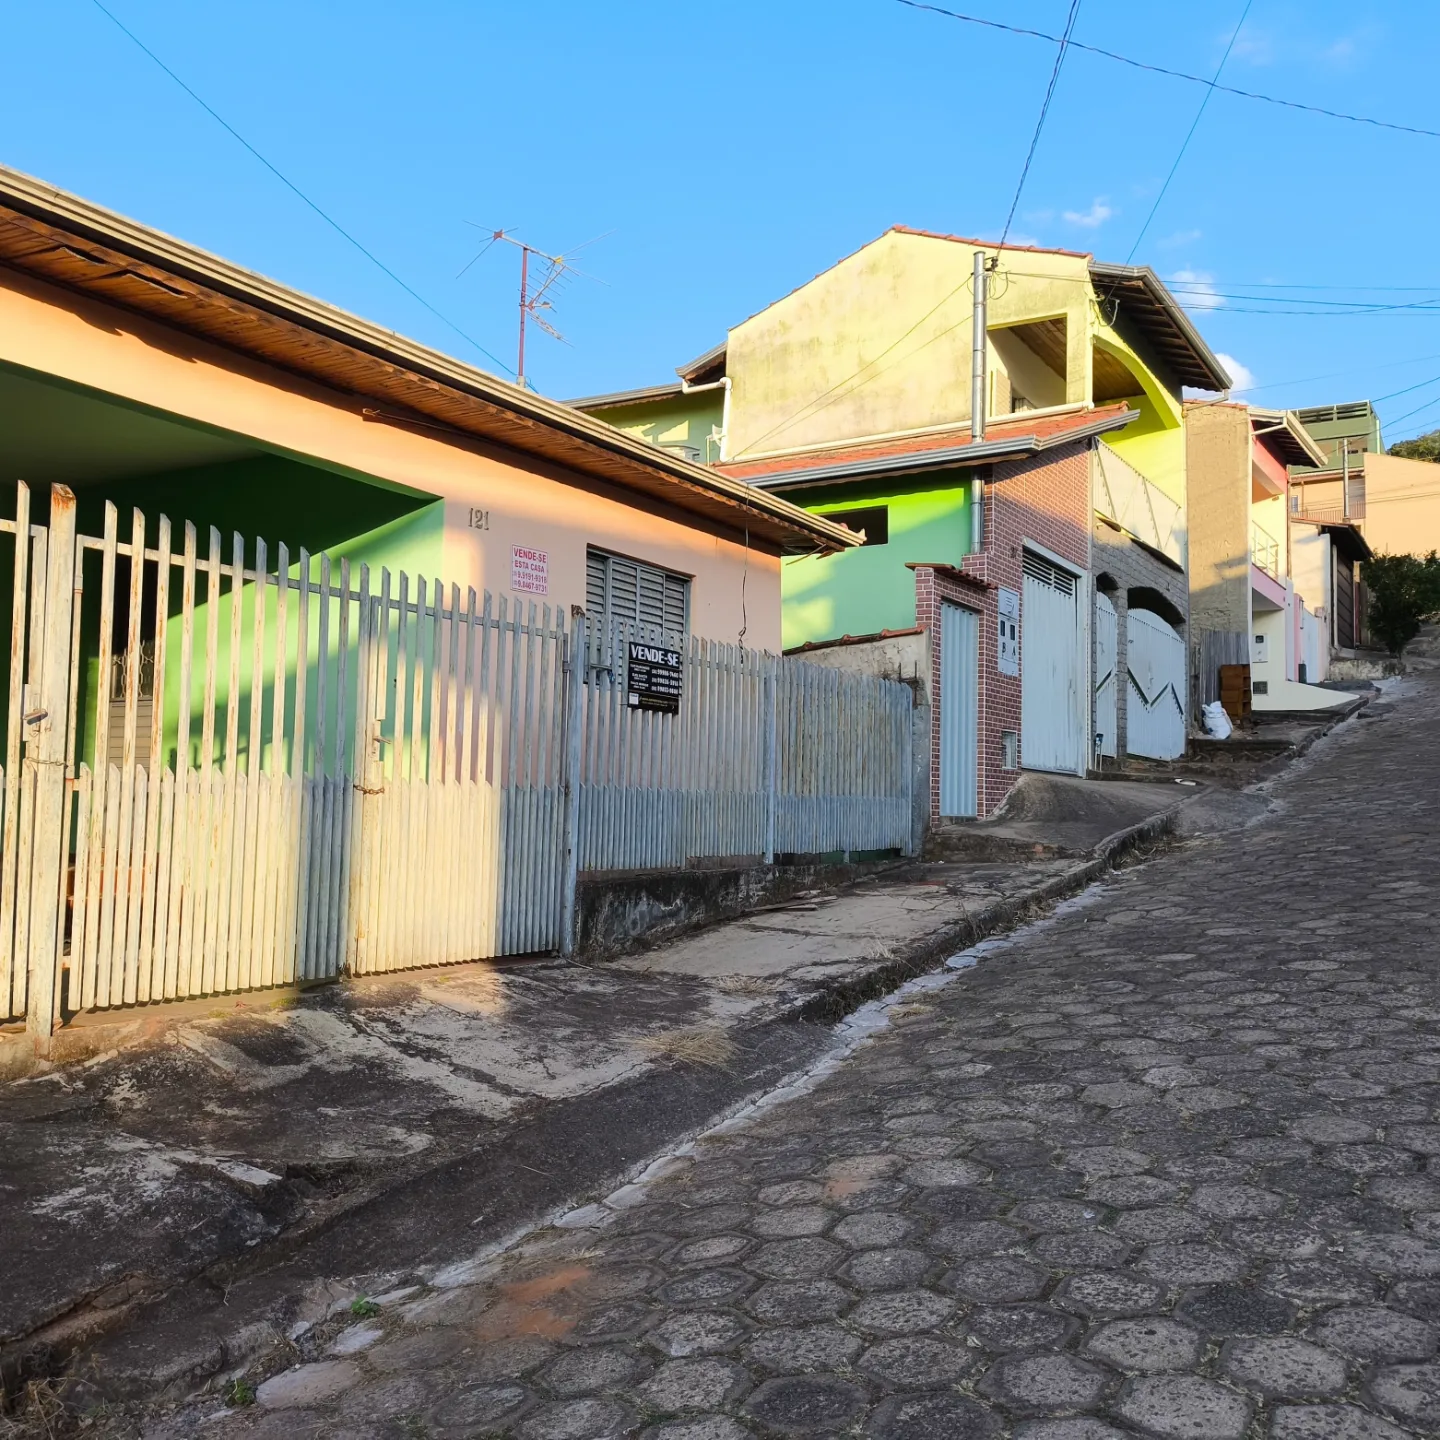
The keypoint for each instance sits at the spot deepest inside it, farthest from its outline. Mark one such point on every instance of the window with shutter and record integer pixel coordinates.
(618, 589)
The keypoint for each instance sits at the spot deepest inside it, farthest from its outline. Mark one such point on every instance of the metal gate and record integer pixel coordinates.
(1051, 670)
(959, 709)
(38, 723)
(1155, 704)
(227, 769)
(1107, 657)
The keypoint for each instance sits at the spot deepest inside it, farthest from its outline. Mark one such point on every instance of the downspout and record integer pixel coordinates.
(723, 383)
(979, 365)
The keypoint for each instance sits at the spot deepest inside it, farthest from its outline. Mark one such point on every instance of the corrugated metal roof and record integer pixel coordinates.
(617, 398)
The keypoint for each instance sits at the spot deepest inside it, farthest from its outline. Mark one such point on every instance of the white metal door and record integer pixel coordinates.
(1051, 735)
(1106, 658)
(1155, 666)
(959, 710)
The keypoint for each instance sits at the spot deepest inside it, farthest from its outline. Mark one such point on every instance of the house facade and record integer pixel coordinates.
(1248, 605)
(1006, 549)
(147, 374)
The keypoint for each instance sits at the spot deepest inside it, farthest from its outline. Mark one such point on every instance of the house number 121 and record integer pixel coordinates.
(479, 519)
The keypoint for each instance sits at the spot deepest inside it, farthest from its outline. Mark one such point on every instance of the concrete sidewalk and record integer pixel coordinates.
(166, 1204)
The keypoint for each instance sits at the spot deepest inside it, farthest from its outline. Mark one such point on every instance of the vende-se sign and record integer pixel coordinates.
(529, 570)
(653, 678)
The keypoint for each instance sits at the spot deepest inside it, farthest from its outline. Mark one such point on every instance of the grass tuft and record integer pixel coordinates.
(694, 1045)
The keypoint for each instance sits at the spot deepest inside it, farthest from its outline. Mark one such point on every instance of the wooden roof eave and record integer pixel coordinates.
(124, 264)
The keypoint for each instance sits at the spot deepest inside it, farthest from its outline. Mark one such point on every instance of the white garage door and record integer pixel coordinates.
(1051, 733)
(959, 709)
(1107, 651)
(1155, 694)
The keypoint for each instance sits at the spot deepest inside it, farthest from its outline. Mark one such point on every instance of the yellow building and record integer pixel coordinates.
(851, 395)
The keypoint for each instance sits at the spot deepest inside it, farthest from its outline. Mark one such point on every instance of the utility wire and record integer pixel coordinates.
(1190, 133)
(1380, 399)
(1189, 287)
(1429, 404)
(1175, 74)
(1040, 123)
(295, 189)
(827, 398)
(1336, 375)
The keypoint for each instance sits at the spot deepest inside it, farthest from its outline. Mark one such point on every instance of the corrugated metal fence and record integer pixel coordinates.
(238, 769)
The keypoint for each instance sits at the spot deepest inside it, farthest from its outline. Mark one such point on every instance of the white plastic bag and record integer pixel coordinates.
(1217, 722)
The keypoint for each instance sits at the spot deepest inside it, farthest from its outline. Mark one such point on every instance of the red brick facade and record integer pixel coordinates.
(1045, 501)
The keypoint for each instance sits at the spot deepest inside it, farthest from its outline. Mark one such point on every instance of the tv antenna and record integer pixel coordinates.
(552, 274)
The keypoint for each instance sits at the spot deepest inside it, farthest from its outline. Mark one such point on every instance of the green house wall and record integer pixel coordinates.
(870, 589)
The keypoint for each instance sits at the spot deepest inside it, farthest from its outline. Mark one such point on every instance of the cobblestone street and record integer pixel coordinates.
(1168, 1165)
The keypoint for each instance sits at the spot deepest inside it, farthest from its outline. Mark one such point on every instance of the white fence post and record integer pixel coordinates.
(575, 671)
(49, 721)
(772, 770)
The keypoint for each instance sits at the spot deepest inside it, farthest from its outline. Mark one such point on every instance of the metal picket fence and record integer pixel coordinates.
(240, 768)
(766, 756)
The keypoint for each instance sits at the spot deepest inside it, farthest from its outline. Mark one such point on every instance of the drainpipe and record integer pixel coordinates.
(978, 354)
(723, 383)
(979, 364)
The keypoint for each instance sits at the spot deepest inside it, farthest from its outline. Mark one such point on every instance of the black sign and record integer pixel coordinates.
(653, 678)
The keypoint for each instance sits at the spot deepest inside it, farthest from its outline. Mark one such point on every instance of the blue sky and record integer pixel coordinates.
(727, 153)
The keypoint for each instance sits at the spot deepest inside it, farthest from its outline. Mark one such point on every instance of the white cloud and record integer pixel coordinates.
(1195, 289)
(1098, 213)
(1253, 46)
(1242, 377)
(1180, 237)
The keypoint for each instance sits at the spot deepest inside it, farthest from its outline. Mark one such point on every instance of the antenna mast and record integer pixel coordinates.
(557, 269)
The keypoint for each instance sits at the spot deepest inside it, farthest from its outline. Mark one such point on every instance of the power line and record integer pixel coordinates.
(1190, 133)
(1181, 287)
(1040, 123)
(1336, 375)
(1175, 74)
(827, 397)
(1380, 399)
(1268, 304)
(295, 189)
(1429, 404)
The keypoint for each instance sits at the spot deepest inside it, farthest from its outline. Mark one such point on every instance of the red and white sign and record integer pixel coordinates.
(529, 570)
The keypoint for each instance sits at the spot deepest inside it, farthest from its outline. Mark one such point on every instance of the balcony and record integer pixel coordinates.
(1321, 513)
(1265, 552)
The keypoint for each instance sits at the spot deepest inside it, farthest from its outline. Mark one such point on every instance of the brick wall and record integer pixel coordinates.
(1045, 500)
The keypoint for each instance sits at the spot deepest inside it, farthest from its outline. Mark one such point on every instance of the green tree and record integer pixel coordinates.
(1404, 593)
(1422, 447)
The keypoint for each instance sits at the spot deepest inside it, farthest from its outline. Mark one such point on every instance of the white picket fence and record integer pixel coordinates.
(236, 769)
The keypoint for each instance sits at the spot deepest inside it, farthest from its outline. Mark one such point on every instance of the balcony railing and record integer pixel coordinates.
(1328, 514)
(1265, 551)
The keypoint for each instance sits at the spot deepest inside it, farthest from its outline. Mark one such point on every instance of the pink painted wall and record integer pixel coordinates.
(537, 505)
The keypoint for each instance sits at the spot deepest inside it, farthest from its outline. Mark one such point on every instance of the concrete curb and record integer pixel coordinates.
(835, 1001)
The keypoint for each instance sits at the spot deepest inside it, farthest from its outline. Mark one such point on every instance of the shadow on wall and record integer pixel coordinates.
(285, 502)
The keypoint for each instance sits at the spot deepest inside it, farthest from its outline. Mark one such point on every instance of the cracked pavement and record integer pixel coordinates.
(1166, 1165)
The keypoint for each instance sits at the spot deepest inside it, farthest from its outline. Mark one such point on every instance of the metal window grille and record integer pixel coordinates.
(1037, 567)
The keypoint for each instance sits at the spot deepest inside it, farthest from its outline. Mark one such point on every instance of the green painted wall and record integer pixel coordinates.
(690, 420)
(285, 502)
(870, 589)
